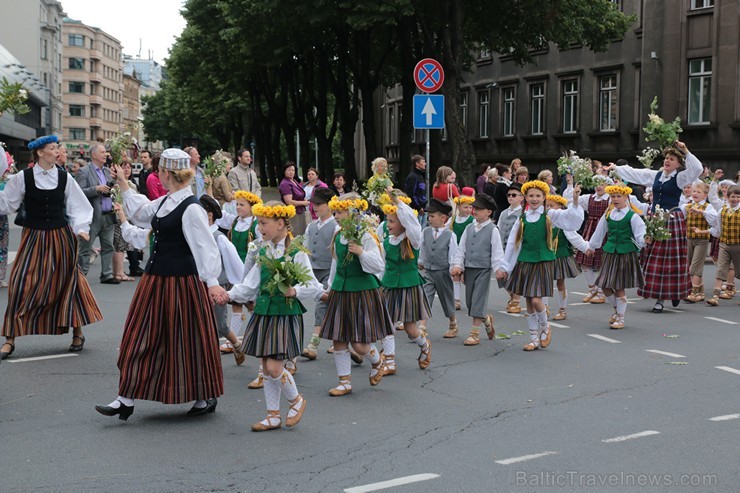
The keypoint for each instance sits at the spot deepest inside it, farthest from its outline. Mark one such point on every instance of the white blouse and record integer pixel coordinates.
(371, 260)
(638, 228)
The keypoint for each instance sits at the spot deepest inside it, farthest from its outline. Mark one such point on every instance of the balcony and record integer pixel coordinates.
(96, 100)
(95, 123)
(96, 77)
(96, 55)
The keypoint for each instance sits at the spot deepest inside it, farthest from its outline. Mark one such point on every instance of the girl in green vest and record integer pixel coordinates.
(461, 217)
(402, 283)
(529, 260)
(620, 267)
(356, 311)
(275, 331)
(565, 263)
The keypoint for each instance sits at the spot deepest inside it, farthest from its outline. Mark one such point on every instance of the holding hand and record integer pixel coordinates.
(218, 295)
(324, 297)
(456, 271)
(589, 253)
(290, 293)
(718, 174)
(501, 275)
(355, 249)
(681, 147)
(648, 240)
(84, 235)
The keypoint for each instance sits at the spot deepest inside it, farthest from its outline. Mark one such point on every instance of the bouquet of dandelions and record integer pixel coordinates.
(216, 165)
(378, 184)
(357, 223)
(284, 272)
(579, 168)
(118, 145)
(656, 224)
(13, 98)
(658, 131)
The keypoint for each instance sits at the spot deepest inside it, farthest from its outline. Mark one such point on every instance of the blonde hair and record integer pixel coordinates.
(544, 174)
(701, 185)
(377, 162)
(277, 203)
(443, 172)
(181, 175)
(491, 174)
(522, 170)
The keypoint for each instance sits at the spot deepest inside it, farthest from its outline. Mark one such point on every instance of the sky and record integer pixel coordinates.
(156, 23)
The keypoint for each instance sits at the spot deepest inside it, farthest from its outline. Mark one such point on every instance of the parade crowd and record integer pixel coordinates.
(224, 263)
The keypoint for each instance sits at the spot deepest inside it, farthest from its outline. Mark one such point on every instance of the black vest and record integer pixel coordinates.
(666, 194)
(45, 209)
(171, 255)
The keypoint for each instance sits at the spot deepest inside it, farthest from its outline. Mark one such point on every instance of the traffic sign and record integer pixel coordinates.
(429, 111)
(429, 75)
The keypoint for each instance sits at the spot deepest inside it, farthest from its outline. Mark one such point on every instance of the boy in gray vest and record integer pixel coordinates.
(438, 247)
(479, 254)
(504, 224)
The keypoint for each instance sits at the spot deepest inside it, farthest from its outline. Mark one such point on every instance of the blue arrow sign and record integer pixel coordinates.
(429, 111)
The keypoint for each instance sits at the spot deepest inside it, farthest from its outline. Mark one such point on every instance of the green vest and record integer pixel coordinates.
(349, 276)
(400, 273)
(619, 239)
(459, 228)
(271, 304)
(242, 239)
(564, 249)
(534, 241)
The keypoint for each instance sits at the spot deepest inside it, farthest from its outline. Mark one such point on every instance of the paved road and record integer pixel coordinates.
(586, 414)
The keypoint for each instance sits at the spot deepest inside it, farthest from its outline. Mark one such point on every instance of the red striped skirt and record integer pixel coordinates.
(169, 352)
(665, 264)
(47, 292)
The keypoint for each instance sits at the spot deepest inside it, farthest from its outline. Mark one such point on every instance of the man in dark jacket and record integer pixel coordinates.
(416, 185)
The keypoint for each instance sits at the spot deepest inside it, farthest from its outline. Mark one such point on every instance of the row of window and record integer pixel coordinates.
(78, 87)
(79, 40)
(81, 134)
(108, 72)
(108, 115)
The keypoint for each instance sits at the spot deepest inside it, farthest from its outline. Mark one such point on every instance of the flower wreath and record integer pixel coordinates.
(274, 211)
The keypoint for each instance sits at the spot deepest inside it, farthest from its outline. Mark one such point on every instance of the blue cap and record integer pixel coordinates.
(42, 141)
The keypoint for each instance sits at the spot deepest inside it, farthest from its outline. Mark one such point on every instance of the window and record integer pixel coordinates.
(617, 4)
(509, 98)
(701, 4)
(570, 106)
(44, 49)
(537, 108)
(484, 54)
(76, 134)
(483, 113)
(464, 109)
(608, 102)
(76, 40)
(700, 89)
(77, 63)
(391, 123)
(78, 87)
(76, 110)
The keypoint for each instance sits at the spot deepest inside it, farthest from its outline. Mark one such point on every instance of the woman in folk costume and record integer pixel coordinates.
(169, 352)
(625, 236)
(529, 260)
(665, 264)
(47, 292)
(356, 311)
(275, 331)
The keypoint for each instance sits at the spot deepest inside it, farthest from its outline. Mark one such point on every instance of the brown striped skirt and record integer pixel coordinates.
(407, 304)
(169, 352)
(356, 316)
(566, 268)
(620, 271)
(532, 279)
(47, 292)
(274, 336)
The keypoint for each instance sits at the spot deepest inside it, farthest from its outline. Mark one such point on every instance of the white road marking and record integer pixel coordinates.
(579, 294)
(672, 310)
(664, 353)
(391, 483)
(727, 368)
(602, 338)
(631, 437)
(725, 418)
(559, 326)
(40, 358)
(730, 322)
(514, 460)
(511, 314)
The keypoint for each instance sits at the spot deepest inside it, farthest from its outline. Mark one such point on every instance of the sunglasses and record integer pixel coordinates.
(513, 194)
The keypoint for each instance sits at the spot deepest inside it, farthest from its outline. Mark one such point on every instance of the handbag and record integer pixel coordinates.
(20, 215)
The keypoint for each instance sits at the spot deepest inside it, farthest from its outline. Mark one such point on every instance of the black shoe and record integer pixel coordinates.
(75, 348)
(658, 308)
(4, 355)
(136, 273)
(123, 411)
(110, 280)
(675, 303)
(210, 408)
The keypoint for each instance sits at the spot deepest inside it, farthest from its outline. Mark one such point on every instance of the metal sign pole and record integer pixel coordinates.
(427, 167)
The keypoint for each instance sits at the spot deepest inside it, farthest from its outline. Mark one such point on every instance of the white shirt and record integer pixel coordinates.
(77, 206)
(569, 219)
(716, 221)
(497, 249)
(713, 197)
(137, 237)
(646, 177)
(140, 212)
(371, 260)
(638, 228)
(583, 199)
(452, 248)
(410, 223)
(249, 287)
(710, 213)
(233, 265)
(226, 221)
(320, 224)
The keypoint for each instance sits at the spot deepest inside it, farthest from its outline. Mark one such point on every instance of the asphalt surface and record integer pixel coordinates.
(585, 414)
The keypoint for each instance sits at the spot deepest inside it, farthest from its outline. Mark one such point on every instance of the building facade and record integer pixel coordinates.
(131, 112)
(684, 52)
(93, 86)
(150, 73)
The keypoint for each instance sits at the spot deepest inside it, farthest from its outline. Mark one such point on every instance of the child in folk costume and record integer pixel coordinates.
(625, 236)
(462, 216)
(275, 330)
(727, 223)
(242, 228)
(232, 272)
(402, 283)
(356, 310)
(478, 255)
(438, 247)
(529, 261)
(506, 221)
(565, 264)
(699, 213)
(718, 197)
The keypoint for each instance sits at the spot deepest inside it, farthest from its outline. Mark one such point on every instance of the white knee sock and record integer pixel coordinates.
(236, 324)
(287, 385)
(621, 306)
(532, 323)
(373, 355)
(457, 290)
(272, 390)
(420, 341)
(562, 297)
(389, 345)
(546, 301)
(343, 362)
(542, 317)
(590, 276)
(612, 300)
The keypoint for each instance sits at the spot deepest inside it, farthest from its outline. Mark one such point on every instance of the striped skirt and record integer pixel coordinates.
(47, 292)
(532, 280)
(169, 352)
(665, 264)
(407, 304)
(620, 271)
(356, 316)
(274, 336)
(566, 268)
